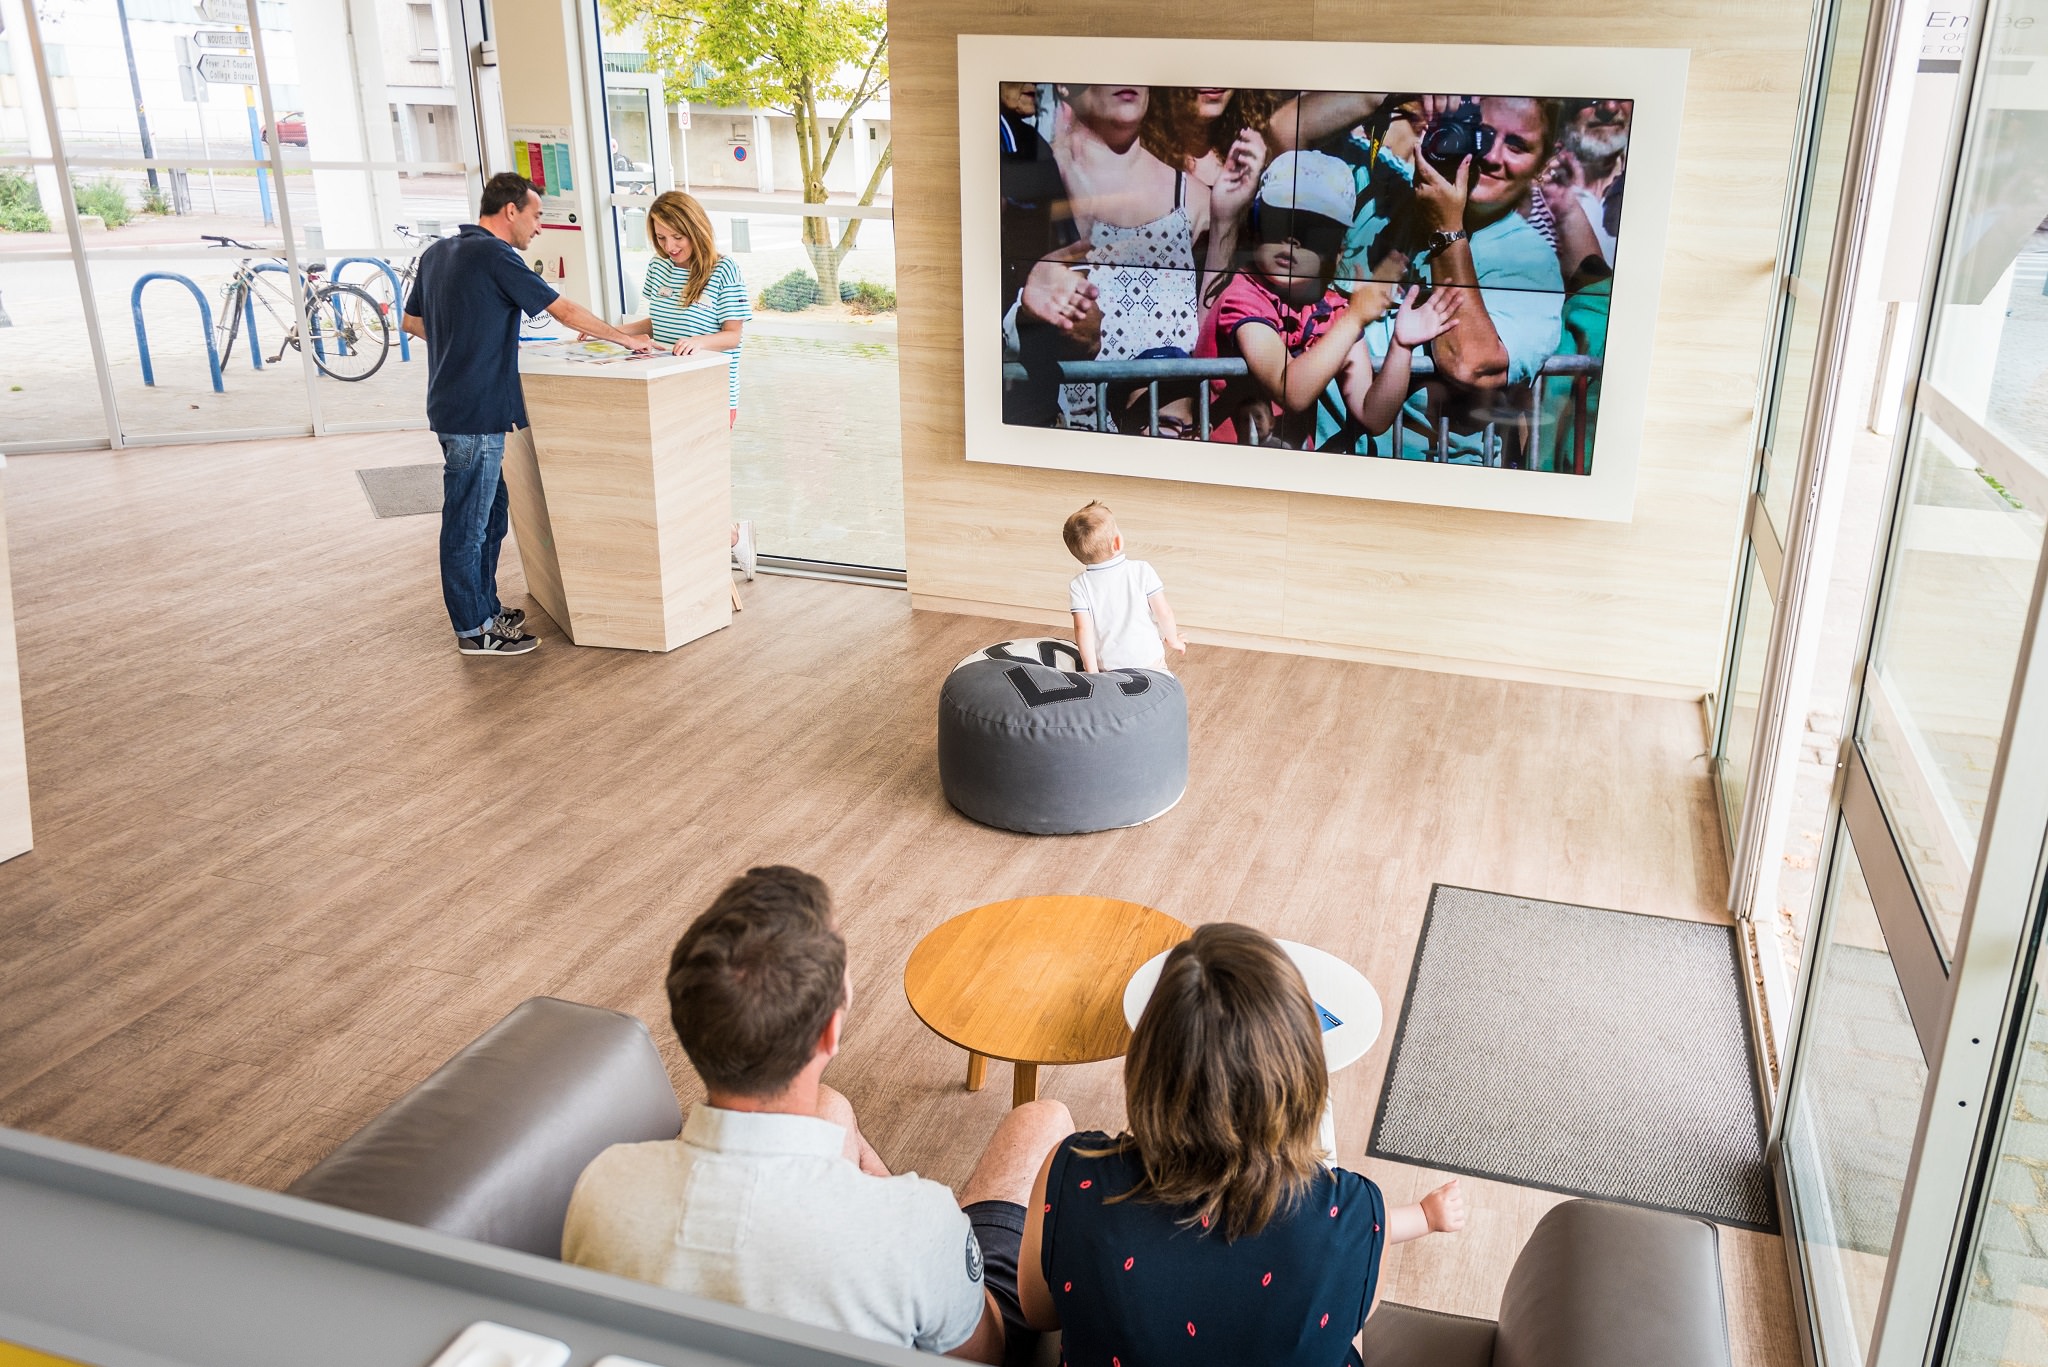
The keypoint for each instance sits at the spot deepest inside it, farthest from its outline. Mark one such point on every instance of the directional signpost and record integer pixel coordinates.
(226, 68)
(218, 39)
(224, 11)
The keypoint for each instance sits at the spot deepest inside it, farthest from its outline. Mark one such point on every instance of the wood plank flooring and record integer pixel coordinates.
(293, 850)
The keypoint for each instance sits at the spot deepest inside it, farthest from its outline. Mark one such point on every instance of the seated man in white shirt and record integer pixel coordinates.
(771, 1199)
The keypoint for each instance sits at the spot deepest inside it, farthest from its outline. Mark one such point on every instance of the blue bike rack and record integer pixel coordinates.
(334, 274)
(205, 326)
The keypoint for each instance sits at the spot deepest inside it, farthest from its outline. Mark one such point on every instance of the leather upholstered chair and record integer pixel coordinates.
(1597, 1285)
(490, 1146)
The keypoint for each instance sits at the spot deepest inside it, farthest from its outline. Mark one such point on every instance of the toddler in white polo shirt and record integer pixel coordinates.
(1121, 618)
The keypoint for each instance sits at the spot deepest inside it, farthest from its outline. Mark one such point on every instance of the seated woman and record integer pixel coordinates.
(1213, 1232)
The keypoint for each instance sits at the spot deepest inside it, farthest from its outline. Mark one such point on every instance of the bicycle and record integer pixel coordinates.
(348, 328)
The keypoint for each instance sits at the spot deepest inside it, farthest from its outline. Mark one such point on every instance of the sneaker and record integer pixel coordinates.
(743, 551)
(495, 642)
(508, 622)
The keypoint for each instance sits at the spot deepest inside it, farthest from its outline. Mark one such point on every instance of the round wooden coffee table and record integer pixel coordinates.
(1038, 980)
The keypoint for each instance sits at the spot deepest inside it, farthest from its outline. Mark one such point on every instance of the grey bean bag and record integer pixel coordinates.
(1027, 742)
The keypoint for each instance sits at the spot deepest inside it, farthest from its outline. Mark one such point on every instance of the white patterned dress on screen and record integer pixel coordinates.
(1149, 294)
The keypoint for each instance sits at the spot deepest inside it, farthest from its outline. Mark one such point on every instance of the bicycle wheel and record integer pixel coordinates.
(349, 330)
(229, 324)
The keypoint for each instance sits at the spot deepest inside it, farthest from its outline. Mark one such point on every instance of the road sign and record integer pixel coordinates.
(217, 39)
(224, 11)
(222, 68)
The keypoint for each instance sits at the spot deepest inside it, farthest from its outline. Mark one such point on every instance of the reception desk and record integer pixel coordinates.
(620, 492)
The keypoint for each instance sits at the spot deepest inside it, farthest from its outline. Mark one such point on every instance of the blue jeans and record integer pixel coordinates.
(473, 521)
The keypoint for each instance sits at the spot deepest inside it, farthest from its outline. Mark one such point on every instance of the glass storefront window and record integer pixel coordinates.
(1746, 680)
(1953, 613)
(43, 337)
(1854, 1113)
(1798, 347)
(1812, 254)
(1990, 351)
(2006, 1296)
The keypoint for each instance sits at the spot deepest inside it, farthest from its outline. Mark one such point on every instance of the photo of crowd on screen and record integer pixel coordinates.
(1398, 274)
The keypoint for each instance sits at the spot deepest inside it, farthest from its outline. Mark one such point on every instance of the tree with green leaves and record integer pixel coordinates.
(795, 56)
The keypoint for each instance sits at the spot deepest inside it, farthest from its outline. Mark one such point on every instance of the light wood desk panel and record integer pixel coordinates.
(622, 500)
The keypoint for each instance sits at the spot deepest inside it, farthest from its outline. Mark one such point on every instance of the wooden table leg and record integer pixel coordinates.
(1024, 1085)
(977, 1071)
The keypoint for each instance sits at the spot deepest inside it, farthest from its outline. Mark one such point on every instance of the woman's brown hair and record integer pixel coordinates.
(685, 217)
(1225, 1082)
(1173, 130)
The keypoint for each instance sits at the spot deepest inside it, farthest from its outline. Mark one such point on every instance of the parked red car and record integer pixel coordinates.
(291, 130)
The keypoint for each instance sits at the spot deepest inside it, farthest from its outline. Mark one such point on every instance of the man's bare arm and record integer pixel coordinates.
(571, 314)
(1307, 119)
(413, 324)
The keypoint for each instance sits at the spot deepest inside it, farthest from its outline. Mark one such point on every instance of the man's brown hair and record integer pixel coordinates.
(1088, 534)
(1225, 1082)
(754, 980)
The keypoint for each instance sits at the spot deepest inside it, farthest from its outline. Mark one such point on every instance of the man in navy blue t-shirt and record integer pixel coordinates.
(466, 304)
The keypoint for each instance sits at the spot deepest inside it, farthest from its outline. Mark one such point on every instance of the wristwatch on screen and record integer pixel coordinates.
(1440, 240)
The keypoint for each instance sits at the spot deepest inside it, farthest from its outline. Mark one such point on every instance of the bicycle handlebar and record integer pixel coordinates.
(220, 241)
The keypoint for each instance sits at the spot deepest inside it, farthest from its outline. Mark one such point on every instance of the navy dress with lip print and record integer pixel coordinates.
(1135, 1287)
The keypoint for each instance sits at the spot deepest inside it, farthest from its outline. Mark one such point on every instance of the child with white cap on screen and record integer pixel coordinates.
(1295, 332)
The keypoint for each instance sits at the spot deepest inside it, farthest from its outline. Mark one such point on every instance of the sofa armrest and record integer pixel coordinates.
(1604, 1285)
(1404, 1336)
(490, 1146)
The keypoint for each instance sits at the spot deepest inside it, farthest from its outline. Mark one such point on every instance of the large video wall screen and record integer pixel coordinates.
(1441, 290)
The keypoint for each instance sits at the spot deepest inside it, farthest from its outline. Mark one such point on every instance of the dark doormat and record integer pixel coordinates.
(1598, 1053)
(402, 490)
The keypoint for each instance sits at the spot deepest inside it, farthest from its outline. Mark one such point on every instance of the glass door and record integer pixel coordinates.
(1883, 1147)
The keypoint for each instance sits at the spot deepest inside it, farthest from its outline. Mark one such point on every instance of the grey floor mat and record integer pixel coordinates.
(1599, 1053)
(402, 490)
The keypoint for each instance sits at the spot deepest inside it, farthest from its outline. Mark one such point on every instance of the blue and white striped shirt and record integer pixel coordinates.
(724, 299)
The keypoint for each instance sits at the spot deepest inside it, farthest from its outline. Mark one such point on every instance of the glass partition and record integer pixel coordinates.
(1849, 1139)
(329, 142)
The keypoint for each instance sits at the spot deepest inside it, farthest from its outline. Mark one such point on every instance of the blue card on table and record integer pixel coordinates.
(1330, 1022)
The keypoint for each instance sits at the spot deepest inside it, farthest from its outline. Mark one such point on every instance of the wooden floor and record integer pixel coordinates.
(293, 850)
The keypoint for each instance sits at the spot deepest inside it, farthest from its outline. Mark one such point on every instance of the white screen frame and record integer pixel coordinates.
(1654, 78)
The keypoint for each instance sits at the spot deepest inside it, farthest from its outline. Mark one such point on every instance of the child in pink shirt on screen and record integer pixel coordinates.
(1295, 332)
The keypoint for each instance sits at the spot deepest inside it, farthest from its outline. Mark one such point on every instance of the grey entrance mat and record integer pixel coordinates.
(402, 490)
(1598, 1053)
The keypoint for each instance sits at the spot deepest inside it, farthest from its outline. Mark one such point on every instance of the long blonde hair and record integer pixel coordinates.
(685, 218)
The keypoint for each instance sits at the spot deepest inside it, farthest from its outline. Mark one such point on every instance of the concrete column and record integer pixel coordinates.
(764, 155)
(348, 118)
(863, 152)
(47, 185)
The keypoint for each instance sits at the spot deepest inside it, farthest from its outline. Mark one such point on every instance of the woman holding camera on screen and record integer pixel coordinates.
(1452, 213)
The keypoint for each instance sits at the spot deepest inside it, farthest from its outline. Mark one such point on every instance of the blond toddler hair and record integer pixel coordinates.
(1090, 533)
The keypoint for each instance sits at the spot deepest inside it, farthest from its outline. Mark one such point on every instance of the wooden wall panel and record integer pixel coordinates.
(1638, 606)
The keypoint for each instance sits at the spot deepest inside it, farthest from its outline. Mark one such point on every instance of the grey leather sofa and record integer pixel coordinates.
(490, 1146)
(1597, 1285)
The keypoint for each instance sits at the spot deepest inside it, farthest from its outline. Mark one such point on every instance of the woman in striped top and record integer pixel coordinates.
(696, 302)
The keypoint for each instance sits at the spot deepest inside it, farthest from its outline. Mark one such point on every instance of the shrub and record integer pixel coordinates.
(104, 198)
(868, 297)
(155, 200)
(793, 293)
(21, 208)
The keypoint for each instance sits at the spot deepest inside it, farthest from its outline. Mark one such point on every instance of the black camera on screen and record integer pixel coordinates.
(1452, 137)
